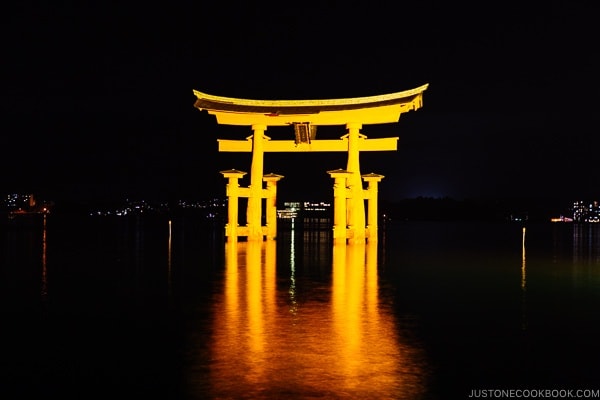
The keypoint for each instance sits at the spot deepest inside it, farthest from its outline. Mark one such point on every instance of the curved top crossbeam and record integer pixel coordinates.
(385, 108)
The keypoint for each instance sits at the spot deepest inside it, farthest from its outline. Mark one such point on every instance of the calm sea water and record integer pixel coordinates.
(151, 308)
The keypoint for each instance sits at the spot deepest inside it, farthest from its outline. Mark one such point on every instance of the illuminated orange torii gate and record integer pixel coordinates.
(305, 116)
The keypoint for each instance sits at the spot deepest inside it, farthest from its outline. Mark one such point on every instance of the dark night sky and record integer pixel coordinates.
(97, 100)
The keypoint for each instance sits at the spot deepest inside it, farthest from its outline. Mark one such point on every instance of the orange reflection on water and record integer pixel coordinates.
(245, 310)
(300, 340)
(370, 353)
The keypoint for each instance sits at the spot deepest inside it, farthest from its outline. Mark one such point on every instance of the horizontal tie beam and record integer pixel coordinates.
(290, 146)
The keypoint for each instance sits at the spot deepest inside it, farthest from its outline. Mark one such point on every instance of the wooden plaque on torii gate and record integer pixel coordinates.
(350, 224)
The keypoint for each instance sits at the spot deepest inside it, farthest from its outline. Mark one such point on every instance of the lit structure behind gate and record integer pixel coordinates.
(350, 224)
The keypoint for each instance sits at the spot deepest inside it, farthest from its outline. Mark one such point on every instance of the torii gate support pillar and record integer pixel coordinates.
(271, 207)
(372, 210)
(233, 194)
(340, 195)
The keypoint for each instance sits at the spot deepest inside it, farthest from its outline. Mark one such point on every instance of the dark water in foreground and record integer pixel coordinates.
(147, 308)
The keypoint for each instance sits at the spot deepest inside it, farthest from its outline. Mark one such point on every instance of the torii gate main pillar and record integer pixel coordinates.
(254, 210)
(355, 204)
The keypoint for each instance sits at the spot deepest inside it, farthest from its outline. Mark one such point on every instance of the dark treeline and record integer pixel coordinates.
(449, 209)
(410, 209)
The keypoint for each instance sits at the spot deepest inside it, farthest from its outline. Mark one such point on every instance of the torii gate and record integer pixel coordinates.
(305, 116)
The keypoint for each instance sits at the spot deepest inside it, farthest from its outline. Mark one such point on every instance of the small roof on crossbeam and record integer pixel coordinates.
(385, 108)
